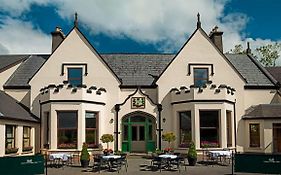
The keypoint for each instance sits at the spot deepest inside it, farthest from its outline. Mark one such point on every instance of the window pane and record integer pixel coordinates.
(10, 136)
(185, 128)
(91, 119)
(67, 130)
(91, 136)
(200, 76)
(254, 135)
(75, 76)
(209, 129)
(138, 119)
(26, 132)
(67, 120)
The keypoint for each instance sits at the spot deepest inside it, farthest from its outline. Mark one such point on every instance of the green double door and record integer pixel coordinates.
(138, 134)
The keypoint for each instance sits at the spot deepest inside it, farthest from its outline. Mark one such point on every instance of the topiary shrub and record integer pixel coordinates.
(85, 156)
(192, 154)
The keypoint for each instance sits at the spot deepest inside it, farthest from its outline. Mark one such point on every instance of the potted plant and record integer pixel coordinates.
(85, 156)
(192, 154)
(106, 138)
(169, 137)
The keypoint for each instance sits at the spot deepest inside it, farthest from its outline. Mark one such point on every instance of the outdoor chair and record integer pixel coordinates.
(157, 162)
(98, 162)
(120, 163)
(178, 162)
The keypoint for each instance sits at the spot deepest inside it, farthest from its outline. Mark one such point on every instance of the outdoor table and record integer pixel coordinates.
(58, 158)
(110, 159)
(168, 158)
(219, 154)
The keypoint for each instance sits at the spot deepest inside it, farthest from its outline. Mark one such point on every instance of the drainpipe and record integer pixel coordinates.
(235, 135)
(40, 126)
(159, 107)
(117, 109)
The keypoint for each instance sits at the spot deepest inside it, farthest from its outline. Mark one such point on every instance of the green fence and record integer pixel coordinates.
(258, 163)
(22, 165)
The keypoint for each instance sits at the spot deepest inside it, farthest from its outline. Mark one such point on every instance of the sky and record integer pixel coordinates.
(137, 26)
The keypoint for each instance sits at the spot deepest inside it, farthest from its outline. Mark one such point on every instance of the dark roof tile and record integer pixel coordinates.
(11, 109)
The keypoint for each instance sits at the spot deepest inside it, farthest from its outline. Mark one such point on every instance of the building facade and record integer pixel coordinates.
(200, 94)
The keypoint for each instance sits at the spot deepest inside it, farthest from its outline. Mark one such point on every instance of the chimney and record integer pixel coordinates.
(57, 37)
(216, 37)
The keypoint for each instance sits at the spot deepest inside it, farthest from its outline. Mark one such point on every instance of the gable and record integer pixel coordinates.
(199, 51)
(74, 51)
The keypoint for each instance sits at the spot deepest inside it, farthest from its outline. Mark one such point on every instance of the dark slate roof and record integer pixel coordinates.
(264, 111)
(11, 109)
(142, 69)
(25, 71)
(275, 72)
(137, 69)
(250, 69)
(7, 60)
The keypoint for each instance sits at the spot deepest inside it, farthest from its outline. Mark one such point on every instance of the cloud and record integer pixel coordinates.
(165, 24)
(17, 7)
(22, 37)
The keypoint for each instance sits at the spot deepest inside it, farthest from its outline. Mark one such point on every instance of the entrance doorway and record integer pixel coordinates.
(277, 137)
(138, 132)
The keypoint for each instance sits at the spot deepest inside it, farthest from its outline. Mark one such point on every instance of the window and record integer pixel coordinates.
(10, 136)
(26, 137)
(209, 129)
(254, 135)
(67, 129)
(229, 128)
(185, 128)
(200, 76)
(75, 76)
(91, 129)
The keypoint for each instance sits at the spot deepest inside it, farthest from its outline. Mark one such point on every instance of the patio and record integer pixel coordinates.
(140, 166)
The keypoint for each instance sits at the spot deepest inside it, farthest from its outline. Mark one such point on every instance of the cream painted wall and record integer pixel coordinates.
(260, 96)
(5, 75)
(21, 95)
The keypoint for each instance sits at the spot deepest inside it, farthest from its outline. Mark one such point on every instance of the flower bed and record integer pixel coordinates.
(28, 148)
(11, 150)
(67, 146)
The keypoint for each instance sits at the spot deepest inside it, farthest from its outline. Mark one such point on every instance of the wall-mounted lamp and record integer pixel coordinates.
(111, 121)
(164, 120)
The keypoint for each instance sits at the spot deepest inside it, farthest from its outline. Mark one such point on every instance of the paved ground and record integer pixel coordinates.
(139, 166)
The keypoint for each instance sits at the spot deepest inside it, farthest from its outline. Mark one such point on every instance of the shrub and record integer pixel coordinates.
(192, 153)
(84, 153)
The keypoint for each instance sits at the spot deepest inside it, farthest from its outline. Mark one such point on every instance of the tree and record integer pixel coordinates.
(169, 137)
(269, 53)
(238, 49)
(106, 138)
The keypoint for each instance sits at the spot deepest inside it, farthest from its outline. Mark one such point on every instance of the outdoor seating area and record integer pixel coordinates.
(168, 161)
(221, 157)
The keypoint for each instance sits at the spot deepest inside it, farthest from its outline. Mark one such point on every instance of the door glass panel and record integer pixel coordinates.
(134, 133)
(125, 132)
(138, 119)
(141, 133)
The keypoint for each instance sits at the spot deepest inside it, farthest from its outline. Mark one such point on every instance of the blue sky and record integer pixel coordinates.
(134, 26)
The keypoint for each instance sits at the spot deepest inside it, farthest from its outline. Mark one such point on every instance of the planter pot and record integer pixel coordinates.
(192, 161)
(84, 163)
